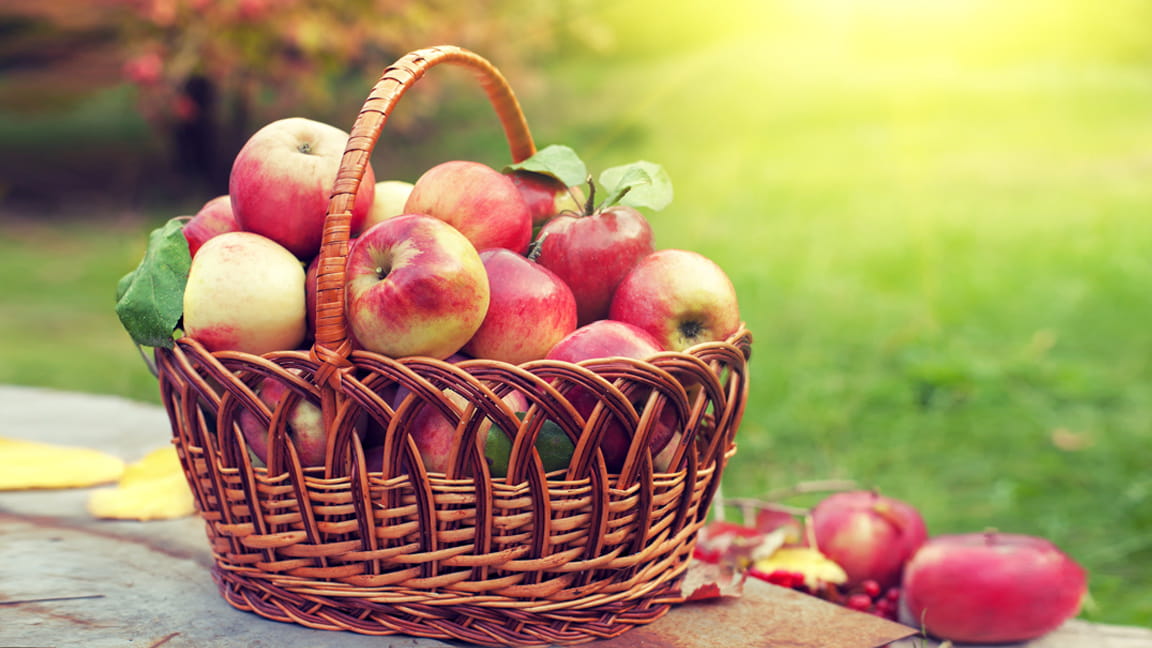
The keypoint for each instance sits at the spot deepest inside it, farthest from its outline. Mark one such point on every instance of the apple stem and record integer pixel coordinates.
(590, 204)
(810, 532)
(535, 247)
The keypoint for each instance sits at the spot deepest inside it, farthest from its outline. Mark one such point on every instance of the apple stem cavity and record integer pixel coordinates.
(691, 329)
(305, 148)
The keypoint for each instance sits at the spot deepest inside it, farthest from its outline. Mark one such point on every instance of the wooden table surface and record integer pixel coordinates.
(68, 579)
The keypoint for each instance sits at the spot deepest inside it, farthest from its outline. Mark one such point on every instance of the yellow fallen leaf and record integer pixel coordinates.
(153, 488)
(816, 568)
(26, 465)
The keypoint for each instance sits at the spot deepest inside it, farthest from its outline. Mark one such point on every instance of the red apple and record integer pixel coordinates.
(545, 195)
(681, 297)
(530, 310)
(607, 339)
(305, 425)
(992, 588)
(435, 435)
(476, 199)
(215, 217)
(415, 286)
(871, 536)
(282, 179)
(593, 253)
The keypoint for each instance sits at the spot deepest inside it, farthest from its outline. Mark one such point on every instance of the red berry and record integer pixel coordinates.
(893, 594)
(887, 609)
(859, 602)
(871, 588)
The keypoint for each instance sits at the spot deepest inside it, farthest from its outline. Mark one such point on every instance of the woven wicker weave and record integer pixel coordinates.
(371, 542)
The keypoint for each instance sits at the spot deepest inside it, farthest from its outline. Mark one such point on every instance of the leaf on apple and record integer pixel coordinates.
(150, 299)
(556, 160)
(639, 184)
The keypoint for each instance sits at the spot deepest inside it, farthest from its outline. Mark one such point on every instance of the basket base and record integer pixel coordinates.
(478, 624)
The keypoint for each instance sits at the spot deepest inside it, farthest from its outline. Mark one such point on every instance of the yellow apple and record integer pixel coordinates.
(390, 198)
(245, 292)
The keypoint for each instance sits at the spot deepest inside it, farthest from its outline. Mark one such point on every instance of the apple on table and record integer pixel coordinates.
(870, 535)
(992, 587)
(282, 180)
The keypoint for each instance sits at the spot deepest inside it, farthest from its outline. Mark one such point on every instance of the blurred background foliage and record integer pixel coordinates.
(936, 213)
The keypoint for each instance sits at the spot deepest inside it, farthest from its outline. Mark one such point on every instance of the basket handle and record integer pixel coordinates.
(332, 345)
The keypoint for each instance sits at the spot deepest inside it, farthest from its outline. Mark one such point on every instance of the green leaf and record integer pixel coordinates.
(556, 160)
(123, 285)
(639, 184)
(150, 299)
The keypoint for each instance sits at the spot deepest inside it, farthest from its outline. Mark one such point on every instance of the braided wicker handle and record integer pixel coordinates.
(332, 344)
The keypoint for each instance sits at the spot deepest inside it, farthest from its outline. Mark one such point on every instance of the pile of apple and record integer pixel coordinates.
(872, 553)
(513, 265)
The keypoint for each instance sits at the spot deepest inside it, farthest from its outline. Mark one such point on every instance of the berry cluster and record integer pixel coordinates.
(867, 597)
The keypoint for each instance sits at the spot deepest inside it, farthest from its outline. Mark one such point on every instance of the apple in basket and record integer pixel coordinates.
(305, 425)
(592, 253)
(545, 195)
(681, 297)
(530, 310)
(245, 292)
(991, 588)
(477, 200)
(215, 217)
(414, 286)
(435, 434)
(391, 195)
(607, 339)
(282, 179)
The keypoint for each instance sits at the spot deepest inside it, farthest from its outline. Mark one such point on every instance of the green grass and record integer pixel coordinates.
(946, 271)
(947, 279)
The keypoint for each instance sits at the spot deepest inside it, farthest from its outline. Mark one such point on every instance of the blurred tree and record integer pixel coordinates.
(209, 71)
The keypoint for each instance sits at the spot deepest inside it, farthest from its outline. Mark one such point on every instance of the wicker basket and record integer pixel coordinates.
(374, 543)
